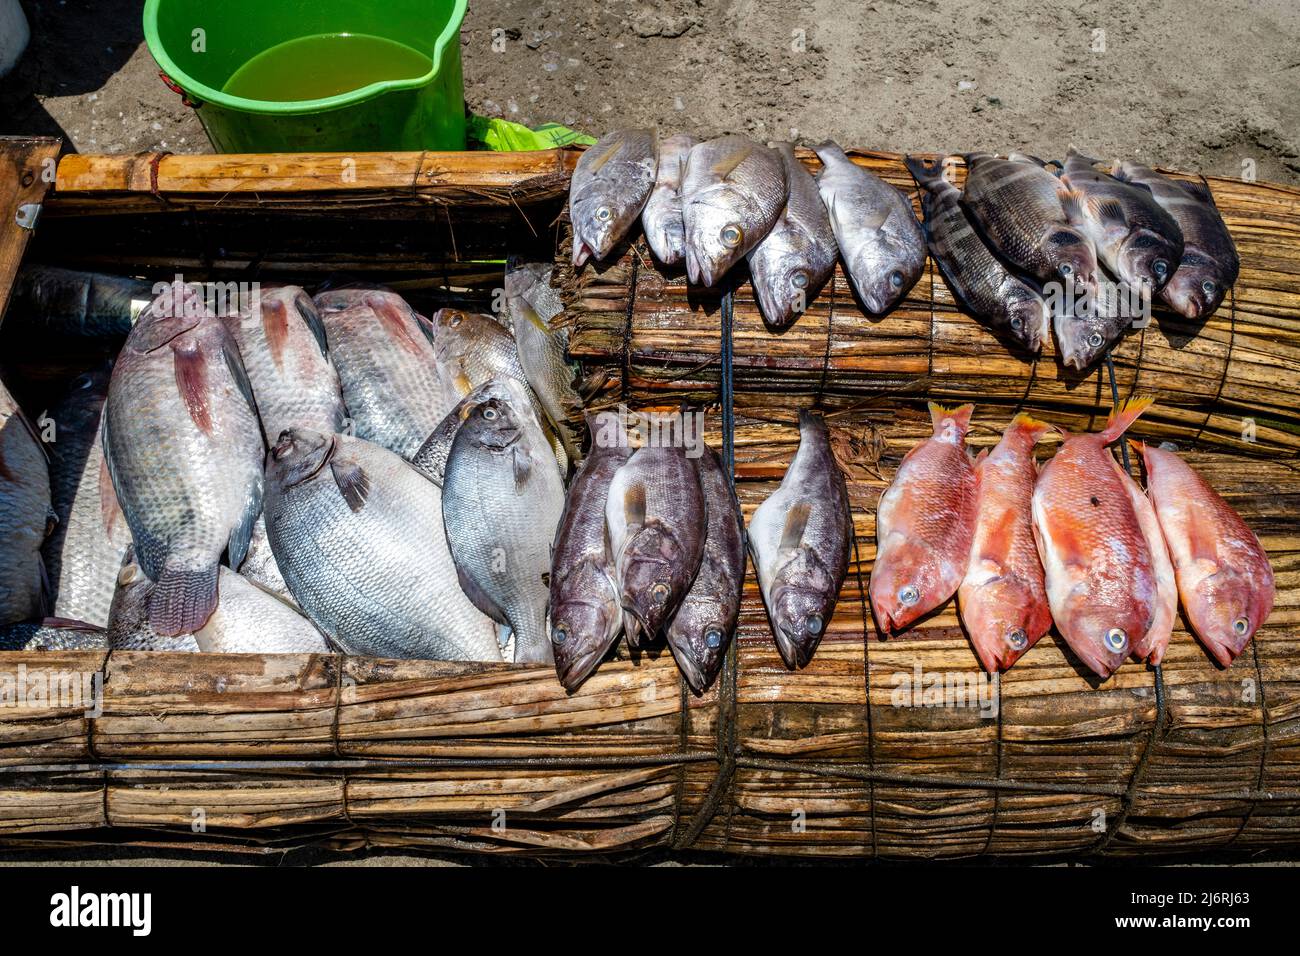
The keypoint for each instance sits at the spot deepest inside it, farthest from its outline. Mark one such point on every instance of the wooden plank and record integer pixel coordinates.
(22, 161)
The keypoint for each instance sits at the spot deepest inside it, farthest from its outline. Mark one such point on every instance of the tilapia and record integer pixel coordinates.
(662, 216)
(282, 341)
(1101, 575)
(357, 533)
(247, 621)
(1003, 596)
(259, 565)
(84, 550)
(800, 538)
(25, 515)
(1222, 571)
(585, 606)
(656, 519)
(383, 351)
(1018, 205)
(52, 634)
(65, 303)
(610, 186)
(879, 238)
(733, 191)
(184, 448)
(992, 293)
(501, 503)
(1209, 265)
(925, 523)
(791, 263)
(1138, 241)
(704, 624)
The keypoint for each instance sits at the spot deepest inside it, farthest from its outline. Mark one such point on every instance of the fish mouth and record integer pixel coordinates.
(575, 670)
(690, 668)
(795, 650)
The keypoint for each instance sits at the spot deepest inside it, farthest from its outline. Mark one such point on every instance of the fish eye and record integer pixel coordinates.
(1116, 640)
(909, 594)
(659, 591)
(454, 319)
(1240, 626)
(1017, 639)
(83, 382)
(799, 280)
(1065, 269)
(1095, 340)
(490, 414)
(713, 637)
(732, 235)
(604, 214)
(896, 279)
(1017, 322)
(1160, 268)
(559, 634)
(1208, 287)
(813, 622)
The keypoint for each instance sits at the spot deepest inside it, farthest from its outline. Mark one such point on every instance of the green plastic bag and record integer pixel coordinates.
(504, 136)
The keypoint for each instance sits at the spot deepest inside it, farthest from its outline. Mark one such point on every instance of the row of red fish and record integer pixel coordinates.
(1075, 542)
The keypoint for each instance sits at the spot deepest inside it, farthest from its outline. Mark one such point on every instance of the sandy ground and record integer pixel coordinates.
(1204, 85)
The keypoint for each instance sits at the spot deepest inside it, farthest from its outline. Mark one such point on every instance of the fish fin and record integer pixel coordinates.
(1036, 429)
(183, 599)
(1199, 191)
(235, 365)
(924, 172)
(1124, 416)
(960, 415)
(478, 597)
(352, 481)
(191, 372)
(796, 522)
(529, 314)
(1071, 204)
(726, 165)
(876, 218)
(634, 505)
(1073, 153)
(1110, 211)
(611, 150)
(311, 318)
(394, 320)
(979, 458)
(237, 543)
(275, 326)
(522, 469)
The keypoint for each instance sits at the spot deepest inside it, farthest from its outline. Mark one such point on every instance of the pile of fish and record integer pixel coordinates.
(1076, 542)
(336, 473)
(1021, 246)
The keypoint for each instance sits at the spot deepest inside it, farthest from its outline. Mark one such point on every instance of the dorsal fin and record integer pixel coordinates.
(796, 521)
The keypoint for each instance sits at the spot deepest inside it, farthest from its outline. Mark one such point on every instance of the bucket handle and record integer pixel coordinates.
(175, 88)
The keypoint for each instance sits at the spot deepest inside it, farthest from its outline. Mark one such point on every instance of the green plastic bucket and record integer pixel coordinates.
(200, 44)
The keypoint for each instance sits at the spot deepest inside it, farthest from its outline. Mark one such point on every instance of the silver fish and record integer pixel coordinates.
(357, 533)
(247, 621)
(431, 459)
(282, 342)
(662, 216)
(184, 448)
(586, 611)
(792, 263)
(704, 624)
(878, 235)
(656, 516)
(995, 295)
(259, 565)
(610, 186)
(24, 515)
(66, 303)
(733, 192)
(52, 634)
(383, 351)
(501, 503)
(84, 551)
(800, 539)
(1209, 265)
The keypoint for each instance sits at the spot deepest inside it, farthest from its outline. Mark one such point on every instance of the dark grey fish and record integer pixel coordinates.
(586, 611)
(656, 516)
(1209, 266)
(997, 297)
(610, 186)
(800, 539)
(52, 634)
(665, 232)
(24, 515)
(184, 448)
(704, 624)
(66, 303)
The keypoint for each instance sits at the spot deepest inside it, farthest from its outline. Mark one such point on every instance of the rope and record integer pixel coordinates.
(626, 371)
(826, 356)
(1263, 753)
(1227, 361)
(340, 667)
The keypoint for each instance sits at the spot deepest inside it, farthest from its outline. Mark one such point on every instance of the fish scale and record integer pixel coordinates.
(661, 218)
(24, 513)
(610, 185)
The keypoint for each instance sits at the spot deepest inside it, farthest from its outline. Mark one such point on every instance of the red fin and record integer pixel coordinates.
(997, 535)
(960, 416)
(1124, 416)
(395, 319)
(275, 325)
(1036, 429)
(192, 382)
(183, 600)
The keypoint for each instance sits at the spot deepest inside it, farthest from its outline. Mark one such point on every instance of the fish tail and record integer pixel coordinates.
(960, 415)
(927, 174)
(1032, 426)
(183, 600)
(1125, 415)
(830, 148)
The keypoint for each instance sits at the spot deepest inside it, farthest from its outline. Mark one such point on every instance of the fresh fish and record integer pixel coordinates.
(383, 351)
(25, 515)
(357, 533)
(925, 523)
(282, 342)
(733, 191)
(704, 624)
(184, 449)
(878, 235)
(1209, 266)
(1101, 576)
(247, 621)
(1138, 241)
(1223, 573)
(995, 295)
(662, 217)
(586, 609)
(58, 303)
(259, 565)
(656, 518)
(610, 186)
(791, 263)
(1003, 597)
(52, 634)
(85, 549)
(799, 538)
(1086, 325)
(501, 503)
(1018, 205)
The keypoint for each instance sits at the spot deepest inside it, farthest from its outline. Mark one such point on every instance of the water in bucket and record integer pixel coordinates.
(315, 67)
